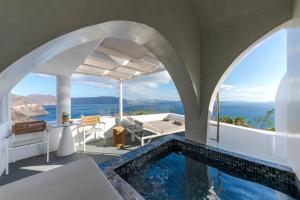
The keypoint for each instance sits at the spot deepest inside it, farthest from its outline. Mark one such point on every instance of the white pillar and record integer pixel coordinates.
(121, 101)
(5, 107)
(63, 95)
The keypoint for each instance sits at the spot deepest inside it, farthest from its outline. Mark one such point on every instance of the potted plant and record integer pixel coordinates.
(65, 117)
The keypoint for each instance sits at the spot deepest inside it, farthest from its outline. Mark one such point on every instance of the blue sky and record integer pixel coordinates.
(255, 78)
(155, 86)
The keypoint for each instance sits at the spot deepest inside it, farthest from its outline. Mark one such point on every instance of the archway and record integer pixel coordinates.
(237, 61)
(239, 139)
(89, 37)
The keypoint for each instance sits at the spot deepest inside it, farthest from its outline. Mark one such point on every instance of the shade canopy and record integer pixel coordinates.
(120, 59)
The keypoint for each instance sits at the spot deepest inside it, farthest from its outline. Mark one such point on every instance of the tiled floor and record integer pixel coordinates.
(100, 151)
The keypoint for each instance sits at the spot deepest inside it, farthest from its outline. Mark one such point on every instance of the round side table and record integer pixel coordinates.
(66, 144)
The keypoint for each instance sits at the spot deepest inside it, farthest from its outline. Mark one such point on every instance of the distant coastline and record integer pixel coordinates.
(42, 107)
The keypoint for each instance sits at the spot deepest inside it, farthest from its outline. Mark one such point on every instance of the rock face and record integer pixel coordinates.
(33, 99)
(24, 108)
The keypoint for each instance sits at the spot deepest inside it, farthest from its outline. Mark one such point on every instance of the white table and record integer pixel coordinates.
(66, 144)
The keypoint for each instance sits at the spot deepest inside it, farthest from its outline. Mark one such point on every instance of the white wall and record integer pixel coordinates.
(248, 141)
(288, 98)
(54, 134)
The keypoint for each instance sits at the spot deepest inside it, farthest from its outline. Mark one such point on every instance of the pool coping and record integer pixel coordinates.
(129, 193)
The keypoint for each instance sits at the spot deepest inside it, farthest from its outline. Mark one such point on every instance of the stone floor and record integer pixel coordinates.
(100, 151)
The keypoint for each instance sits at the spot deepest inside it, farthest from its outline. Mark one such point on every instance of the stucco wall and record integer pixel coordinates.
(205, 35)
(288, 98)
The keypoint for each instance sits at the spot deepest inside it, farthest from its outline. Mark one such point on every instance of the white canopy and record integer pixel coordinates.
(120, 59)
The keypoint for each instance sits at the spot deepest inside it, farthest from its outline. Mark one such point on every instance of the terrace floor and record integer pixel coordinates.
(100, 151)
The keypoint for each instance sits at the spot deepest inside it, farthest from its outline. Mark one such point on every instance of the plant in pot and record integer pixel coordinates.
(65, 117)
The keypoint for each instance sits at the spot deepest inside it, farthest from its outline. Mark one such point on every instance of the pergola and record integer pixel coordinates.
(112, 58)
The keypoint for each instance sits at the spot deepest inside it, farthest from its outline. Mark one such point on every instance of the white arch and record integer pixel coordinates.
(123, 29)
(139, 33)
(244, 54)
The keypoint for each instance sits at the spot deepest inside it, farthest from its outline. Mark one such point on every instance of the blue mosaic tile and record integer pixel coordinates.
(276, 176)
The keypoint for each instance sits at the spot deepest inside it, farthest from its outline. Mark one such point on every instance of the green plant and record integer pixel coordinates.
(65, 115)
(226, 119)
(241, 121)
(266, 121)
(142, 112)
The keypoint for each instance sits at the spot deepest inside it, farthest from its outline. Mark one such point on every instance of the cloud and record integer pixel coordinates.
(152, 80)
(44, 75)
(227, 87)
(238, 93)
(147, 87)
(141, 87)
(100, 82)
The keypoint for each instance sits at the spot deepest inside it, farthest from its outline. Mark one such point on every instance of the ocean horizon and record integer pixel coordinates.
(248, 110)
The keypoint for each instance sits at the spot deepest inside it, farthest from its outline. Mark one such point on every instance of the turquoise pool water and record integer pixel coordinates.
(179, 177)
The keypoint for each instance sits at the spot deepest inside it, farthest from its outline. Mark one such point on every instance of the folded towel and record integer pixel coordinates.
(166, 119)
(177, 122)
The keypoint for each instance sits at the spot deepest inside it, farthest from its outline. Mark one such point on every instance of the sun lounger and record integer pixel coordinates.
(147, 130)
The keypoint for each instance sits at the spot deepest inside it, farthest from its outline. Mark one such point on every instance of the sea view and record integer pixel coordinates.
(248, 110)
(113, 109)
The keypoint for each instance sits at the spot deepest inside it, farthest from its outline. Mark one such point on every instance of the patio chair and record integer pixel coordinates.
(93, 123)
(25, 134)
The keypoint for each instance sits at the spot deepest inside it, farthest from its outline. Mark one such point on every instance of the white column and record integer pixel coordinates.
(121, 101)
(5, 107)
(63, 95)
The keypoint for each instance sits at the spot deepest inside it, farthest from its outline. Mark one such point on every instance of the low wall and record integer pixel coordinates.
(265, 145)
(293, 151)
(54, 136)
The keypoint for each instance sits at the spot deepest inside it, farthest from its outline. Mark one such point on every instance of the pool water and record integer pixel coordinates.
(176, 176)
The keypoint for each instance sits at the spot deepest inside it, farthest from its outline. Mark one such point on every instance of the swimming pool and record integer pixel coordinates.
(175, 168)
(177, 176)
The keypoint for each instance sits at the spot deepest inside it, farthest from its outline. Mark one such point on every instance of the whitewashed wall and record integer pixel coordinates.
(54, 136)
(287, 109)
(251, 142)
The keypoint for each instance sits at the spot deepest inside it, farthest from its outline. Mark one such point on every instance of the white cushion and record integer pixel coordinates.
(93, 130)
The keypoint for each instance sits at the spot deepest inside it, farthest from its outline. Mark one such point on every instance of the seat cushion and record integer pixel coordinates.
(93, 130)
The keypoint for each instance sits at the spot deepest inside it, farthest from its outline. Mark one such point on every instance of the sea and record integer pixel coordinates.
(248, 110)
